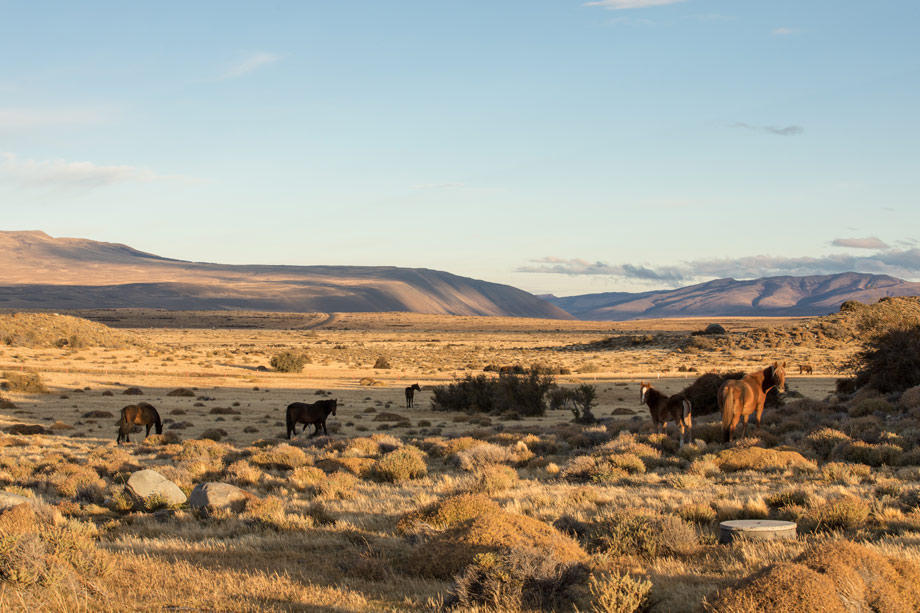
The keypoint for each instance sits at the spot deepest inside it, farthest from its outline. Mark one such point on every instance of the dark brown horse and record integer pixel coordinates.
(140, 414)
(664, 408)
(314, 413)
(410, 395)
(740, 397)
(806, 369)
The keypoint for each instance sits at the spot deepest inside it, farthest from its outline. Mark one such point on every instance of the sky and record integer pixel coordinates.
(560, 146)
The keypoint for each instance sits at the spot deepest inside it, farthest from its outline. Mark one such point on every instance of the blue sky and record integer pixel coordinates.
(558, 146)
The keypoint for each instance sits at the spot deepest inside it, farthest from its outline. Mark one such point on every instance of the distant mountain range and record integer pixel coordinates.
(39, 271)
(771, 296)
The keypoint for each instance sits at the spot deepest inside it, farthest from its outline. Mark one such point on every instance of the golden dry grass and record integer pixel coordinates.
(381, 515)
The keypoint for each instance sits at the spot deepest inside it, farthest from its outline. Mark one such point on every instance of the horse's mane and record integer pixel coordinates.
(652, 395)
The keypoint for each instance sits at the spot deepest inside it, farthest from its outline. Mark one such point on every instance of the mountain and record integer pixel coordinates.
(40, 271)
(771, 296)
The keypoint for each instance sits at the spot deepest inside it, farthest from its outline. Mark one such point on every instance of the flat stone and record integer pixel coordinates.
(146, 483)
(8, 500)
(756, 530)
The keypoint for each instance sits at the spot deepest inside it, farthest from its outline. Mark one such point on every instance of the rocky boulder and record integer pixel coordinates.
(146, 483)
(213, 496)
(8, 500)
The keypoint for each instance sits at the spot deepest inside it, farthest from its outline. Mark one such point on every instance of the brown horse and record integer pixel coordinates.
(664, 408)
(807, 369)
(410, 395)
(306, 414)
(739, 398)
(140, 414)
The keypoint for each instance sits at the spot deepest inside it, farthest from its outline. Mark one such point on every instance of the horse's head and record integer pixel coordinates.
(332, 404)
(643, 390)
(778, 374)
(416, 387)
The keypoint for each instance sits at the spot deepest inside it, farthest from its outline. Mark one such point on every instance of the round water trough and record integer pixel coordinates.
(756, 530)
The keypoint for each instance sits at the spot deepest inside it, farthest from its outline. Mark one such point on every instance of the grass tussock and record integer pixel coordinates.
(760, 459)
(24, 382)
(834, 577)
(401, 464)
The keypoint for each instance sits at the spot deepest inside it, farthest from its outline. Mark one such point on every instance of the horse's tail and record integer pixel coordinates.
(727, 402)
(156, 421)
(687, 412)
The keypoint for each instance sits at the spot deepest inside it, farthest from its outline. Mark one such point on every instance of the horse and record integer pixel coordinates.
(807, 369)
(140, 414)
(739, 398)
(667, 408)
(410, 395)
(314, 413)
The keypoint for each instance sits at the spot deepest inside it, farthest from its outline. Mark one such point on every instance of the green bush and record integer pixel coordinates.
(891, 360)
(289, 361)
(525, 394)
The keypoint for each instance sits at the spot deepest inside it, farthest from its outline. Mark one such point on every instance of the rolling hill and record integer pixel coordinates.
(40, 271)
(771, 296)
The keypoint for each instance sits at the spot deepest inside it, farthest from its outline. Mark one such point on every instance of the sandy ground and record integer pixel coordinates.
(222, 367)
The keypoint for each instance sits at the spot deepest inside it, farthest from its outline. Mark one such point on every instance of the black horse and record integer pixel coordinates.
(306, 414)
(140, 414)
(410, 395)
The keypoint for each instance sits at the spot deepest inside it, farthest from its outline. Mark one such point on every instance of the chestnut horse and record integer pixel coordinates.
(306, 414)
(410, 395)
(664, 408)
(739, 398)
(140, 414)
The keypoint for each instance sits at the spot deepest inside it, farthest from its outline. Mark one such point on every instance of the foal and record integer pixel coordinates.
(410, 395)
(667, 408)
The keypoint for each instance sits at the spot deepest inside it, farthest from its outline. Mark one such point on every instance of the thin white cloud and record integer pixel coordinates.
(783, 31)
(61, 174)
(870, 242)
(619, 5)
(251, 63)
(437, 186)
(31, 117)
(790, 130)
(902, 263)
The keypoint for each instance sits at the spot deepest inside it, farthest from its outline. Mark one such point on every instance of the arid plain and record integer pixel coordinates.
(364, 519)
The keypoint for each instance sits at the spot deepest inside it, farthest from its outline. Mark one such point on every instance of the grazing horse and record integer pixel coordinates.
(140, 414)
(306, 414)
(410, 395)
(739, 398)
(668, 408)
(806, 369)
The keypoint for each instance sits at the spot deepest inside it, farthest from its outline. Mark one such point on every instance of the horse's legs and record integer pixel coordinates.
(325, 432)
(150, 425)
(759, 414)
(734, 426)
(744, 427)
(680, 423)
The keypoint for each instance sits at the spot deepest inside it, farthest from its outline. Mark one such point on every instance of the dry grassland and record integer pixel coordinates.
(407, 510)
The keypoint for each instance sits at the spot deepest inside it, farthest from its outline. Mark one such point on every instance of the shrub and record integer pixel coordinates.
(382, 363)
(702, 392)
(616, 593)
(865, 453)
(283, 456)
(492, 479)
(38, 549)
(697, 512)
(401, 464)
(448, 552)
(910, 399)
(869, 406)
(518, 580)
(525, 394)
(845, 513)
(758, 458)
(831, 577)
(843, 473)
(626, 533)
(289, 361)
(824, 440)
(24, 382)
(891, 360)
(582, 397)
(448, 512)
